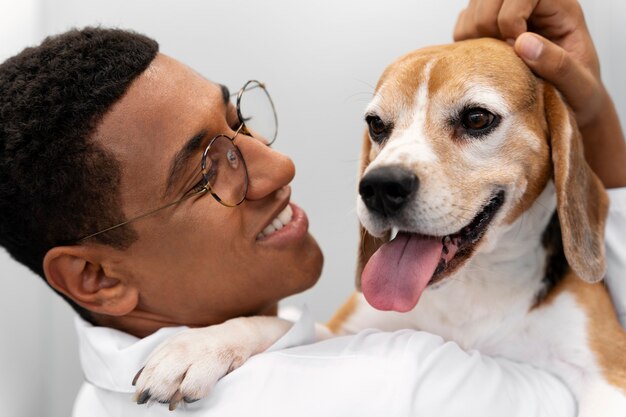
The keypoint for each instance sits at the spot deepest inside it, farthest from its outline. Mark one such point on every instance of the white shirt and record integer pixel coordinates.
(615, 238)
(405, 373)
(370, 374)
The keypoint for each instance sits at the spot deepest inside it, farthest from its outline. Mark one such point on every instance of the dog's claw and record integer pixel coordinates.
(176, 398)
(137, 376)
(210, 353)
(143, 397)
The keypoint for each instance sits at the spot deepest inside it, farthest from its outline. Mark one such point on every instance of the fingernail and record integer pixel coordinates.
(530, 47)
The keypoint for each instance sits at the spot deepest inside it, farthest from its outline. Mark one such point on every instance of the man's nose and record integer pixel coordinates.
(268, 170)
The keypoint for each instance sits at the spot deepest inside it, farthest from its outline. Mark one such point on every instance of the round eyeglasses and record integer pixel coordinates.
(223, 167)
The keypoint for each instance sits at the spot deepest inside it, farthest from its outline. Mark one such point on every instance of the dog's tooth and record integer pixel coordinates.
(269, 229)
(286, 215)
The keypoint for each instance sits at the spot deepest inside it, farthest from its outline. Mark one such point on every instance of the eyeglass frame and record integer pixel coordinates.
(206, 186)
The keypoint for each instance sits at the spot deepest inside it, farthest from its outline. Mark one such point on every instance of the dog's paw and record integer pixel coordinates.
(186, 366)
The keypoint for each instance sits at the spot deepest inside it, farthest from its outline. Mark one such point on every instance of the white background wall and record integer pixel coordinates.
(320, 60)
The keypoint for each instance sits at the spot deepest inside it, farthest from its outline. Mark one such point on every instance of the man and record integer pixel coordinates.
(100, 135)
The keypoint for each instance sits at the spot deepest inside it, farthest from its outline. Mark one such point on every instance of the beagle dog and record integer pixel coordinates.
(477, 169)
(481, 222)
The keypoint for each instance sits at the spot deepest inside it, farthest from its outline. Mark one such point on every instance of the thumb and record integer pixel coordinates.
(551, 62)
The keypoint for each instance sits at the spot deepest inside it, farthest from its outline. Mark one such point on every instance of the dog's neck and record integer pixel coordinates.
(514, 254)
(497, 285)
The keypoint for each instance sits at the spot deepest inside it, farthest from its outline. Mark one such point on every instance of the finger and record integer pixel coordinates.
(557, 66)
(464, 28)
(479, 19)
(486, 18)
(459, 32)
(513, 17)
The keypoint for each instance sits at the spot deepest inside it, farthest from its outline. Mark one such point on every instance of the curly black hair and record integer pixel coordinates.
(56, 184)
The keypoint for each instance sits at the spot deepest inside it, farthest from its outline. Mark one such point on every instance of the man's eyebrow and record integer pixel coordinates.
(225, 94)
(182, 157)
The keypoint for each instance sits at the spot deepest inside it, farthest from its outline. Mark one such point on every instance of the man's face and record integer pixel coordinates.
(200, 262)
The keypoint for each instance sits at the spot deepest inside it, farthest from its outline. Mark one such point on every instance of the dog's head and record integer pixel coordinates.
(461, 141)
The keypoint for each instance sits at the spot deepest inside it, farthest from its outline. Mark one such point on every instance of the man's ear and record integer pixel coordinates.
(79, 273)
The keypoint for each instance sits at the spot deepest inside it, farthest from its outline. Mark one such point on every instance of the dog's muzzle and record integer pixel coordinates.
(386, 190)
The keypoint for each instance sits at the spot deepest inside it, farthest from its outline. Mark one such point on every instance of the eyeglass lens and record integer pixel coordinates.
(257, 112)
(225, 171)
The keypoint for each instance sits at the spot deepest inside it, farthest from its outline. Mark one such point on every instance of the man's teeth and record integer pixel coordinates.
(278, 223)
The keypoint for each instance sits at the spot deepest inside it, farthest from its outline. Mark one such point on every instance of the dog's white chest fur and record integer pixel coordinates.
(481, 304)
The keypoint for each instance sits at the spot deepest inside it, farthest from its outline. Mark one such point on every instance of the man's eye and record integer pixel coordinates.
(478, 121)
(210, 172)
(377, 127)
(233, 159)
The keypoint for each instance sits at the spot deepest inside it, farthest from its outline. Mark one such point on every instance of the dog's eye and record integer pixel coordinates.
(378, 129)
(477, 121)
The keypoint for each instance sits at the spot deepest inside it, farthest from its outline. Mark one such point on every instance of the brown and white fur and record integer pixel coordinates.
(513, 294)
(526, 289)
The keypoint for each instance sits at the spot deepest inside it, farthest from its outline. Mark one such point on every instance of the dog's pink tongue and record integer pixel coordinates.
(396, 275)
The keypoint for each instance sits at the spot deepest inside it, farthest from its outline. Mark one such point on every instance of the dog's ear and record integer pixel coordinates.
(368, 244)
(582, 202)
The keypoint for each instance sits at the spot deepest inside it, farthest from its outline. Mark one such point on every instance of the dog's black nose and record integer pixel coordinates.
(386, 190)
